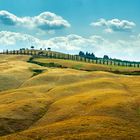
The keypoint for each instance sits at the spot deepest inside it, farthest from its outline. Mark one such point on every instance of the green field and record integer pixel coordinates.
(57, 99)
(87, 66)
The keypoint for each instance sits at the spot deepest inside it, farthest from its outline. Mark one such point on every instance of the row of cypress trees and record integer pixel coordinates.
(90, 59)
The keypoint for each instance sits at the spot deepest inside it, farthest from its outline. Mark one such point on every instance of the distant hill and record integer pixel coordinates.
(89, 58)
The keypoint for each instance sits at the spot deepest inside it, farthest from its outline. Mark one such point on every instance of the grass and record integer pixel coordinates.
(86, 66)
(75, 101)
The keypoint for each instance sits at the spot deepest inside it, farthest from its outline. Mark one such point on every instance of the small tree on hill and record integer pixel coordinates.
(32, 47)
(105, 57)
(81, 53)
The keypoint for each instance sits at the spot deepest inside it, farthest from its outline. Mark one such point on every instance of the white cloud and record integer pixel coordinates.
(115, 25)
(45, 21)
(19, 40)
(124, 49)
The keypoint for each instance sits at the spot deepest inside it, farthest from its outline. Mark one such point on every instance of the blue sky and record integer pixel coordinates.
(102, 26)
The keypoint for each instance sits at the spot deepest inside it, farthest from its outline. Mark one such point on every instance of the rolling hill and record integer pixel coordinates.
(67, 100)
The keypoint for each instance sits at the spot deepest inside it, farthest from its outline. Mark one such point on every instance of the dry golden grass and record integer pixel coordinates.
(14, 70)
(69, 104)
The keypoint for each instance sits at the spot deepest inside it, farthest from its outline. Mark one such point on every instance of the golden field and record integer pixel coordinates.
(80, 101)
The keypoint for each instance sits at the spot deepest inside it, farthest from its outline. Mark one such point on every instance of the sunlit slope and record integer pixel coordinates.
(14, 70)
(71, 104)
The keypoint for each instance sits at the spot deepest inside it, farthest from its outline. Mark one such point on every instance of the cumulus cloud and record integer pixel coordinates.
(19, 40)
(115, 25)
(124, 49)
(45, 21)
(13, 38)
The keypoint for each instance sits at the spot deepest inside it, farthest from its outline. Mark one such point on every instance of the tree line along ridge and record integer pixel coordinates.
(84, 57)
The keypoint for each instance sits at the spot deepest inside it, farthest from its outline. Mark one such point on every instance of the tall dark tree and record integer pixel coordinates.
(7, 52)
(93, 55)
